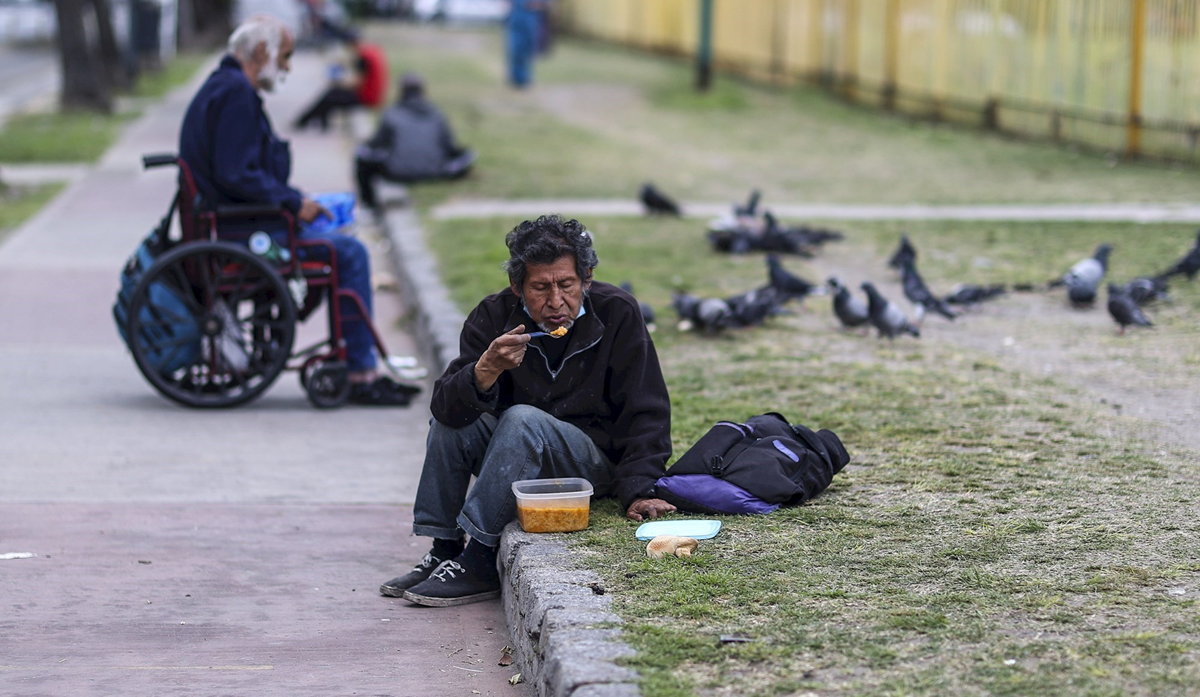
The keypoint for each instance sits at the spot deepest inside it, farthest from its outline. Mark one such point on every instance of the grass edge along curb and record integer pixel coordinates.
(567, 639)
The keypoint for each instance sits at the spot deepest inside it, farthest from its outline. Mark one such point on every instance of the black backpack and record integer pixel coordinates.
(775, 461)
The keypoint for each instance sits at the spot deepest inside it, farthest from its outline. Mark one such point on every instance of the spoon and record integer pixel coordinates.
(534, 335)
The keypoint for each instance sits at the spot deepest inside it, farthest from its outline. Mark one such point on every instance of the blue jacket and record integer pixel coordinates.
(228, 143)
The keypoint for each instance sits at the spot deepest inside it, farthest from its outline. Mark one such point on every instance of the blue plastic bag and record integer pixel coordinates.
(341, 205)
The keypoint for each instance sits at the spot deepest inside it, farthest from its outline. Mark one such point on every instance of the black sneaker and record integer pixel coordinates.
(395, 588)
(456, 582)
(383, 392)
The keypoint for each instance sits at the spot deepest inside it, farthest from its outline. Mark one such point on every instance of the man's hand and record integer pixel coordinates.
(505, 353)
(648, 508)
(310, 209)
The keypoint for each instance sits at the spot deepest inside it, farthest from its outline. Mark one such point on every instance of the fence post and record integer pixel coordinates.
(1133, 132)
(891, 53)
(941, 62)
(778, 41)
(704, 47)
(850, 77)
(816, 42)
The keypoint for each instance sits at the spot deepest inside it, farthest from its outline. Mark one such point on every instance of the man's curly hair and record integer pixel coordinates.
(545, 241)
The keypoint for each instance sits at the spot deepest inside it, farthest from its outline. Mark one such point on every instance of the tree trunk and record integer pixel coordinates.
(83, 85)
(186, 12)
(210, 23)
(110, 53)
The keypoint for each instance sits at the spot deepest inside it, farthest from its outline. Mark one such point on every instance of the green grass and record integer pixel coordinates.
(600, 120)
(59, 137)
(17, 204)
(83, 136)
(994, 533)
(182, 68)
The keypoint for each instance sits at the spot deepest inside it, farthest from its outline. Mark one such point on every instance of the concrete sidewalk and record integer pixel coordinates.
(267, 528)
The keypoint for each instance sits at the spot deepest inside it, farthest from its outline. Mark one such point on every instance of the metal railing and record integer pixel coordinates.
(1117, 75)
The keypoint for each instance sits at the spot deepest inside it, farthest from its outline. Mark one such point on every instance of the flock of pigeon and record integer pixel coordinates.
(746, 231)
(1125, 302)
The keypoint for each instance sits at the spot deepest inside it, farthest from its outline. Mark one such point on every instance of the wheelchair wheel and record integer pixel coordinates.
(211, 324)
(327, 385)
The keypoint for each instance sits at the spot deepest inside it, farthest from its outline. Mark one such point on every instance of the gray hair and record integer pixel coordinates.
(545, 241)
(254, 31)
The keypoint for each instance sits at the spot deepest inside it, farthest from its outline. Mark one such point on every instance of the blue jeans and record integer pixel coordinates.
(522, 44)
(353, 273)
(523, 443)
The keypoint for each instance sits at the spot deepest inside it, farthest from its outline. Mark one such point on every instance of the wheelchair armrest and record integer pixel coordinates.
(247, 210)
(158, 160)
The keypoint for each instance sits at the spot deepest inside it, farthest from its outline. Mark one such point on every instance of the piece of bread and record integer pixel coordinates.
(663, 545)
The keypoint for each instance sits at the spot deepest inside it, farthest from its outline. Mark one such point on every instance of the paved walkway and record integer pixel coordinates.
(1117, 212)
(29, 75)
(201, 552)
(33, 174)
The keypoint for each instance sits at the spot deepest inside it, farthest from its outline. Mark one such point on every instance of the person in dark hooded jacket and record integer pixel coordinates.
(413, 143)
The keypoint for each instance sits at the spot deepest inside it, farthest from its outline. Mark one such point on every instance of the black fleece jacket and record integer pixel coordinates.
(609, 383)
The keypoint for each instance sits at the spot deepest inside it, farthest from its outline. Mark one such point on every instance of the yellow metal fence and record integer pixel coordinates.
(1122, 75)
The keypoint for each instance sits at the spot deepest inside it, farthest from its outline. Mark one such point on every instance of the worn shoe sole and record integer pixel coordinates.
(391, 591)
(430, 601)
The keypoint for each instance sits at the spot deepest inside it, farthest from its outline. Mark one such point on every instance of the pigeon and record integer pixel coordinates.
(657, 202)
(904, 253)
(1188, 266)
(797, 240)
(646, 308)
(850, 311)
(813, 236)
(788, 284)
(749, 210)
(886, 316)
(1084, 277)
(685, 305)
(1124, 310)
(919, 294)
(964, 294)
(777, 238)
(1146, 289)
(753, 307)
(709, 315)
(714, 314)
(733, 241)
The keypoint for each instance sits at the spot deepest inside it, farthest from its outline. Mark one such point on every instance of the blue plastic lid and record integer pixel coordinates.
(695, 529)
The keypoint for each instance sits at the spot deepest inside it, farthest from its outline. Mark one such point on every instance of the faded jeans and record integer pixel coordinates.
(523, 443)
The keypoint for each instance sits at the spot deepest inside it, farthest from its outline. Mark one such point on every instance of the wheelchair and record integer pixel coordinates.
(242, 308)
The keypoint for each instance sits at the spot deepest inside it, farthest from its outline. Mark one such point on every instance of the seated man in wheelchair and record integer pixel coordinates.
(236, 158)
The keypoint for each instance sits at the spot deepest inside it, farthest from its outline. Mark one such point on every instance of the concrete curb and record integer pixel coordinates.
(565, 637)
(558, 617)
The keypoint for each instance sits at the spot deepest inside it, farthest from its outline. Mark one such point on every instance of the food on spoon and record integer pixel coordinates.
(559, 333)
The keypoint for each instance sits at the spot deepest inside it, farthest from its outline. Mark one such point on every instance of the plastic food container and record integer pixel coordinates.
(553, 505)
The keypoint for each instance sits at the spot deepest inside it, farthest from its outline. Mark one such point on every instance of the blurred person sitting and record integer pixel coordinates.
(235, 157)
(368, 87)
(413, 143)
